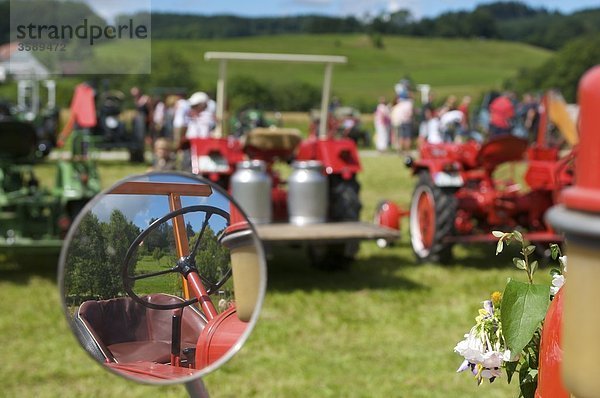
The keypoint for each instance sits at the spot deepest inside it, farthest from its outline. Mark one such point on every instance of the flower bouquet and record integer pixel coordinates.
(506, 336)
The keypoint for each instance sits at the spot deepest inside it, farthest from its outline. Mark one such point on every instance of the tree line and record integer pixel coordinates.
(503, 20)
(512, 20)
(96, 256)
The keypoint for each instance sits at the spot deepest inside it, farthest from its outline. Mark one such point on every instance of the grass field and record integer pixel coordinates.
(386, 328)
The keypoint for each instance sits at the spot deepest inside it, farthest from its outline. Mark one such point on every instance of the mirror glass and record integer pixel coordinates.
(162, 277)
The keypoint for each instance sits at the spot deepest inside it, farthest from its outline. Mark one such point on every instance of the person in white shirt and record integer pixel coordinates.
(429, 130)
(192, 117)
(200, 120)
(182, 107)
(452, 125)
(382, 125)
(401, 118)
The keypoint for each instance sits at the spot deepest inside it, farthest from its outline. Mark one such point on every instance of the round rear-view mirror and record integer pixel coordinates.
(162, 278)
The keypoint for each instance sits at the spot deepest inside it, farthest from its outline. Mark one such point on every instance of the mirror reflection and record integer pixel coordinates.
(162, 278)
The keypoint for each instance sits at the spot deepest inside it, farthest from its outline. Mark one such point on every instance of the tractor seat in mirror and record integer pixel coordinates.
(126, 331)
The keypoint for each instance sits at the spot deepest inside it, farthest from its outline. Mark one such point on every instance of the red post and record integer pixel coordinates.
(585, 195)
(579, 218)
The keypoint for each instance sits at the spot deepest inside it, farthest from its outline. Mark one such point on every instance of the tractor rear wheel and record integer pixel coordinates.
(344, 205)
(432, 216)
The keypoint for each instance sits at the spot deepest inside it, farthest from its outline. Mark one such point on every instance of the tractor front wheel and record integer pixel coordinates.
(432, 215)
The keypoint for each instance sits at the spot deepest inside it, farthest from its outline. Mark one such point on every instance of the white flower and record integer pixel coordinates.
(491, 373)
(488, 306)
(492, 359)
(563, 261)
(557, 282)
(506, 357)
(471, 348)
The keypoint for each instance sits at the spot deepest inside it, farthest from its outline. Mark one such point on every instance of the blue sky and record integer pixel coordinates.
(142, 208)
(419, 8)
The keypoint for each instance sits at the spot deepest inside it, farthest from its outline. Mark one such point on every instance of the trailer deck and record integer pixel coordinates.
(326, 232)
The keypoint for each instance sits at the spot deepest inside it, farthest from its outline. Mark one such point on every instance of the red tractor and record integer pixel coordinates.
(459, 199)
(331, 245)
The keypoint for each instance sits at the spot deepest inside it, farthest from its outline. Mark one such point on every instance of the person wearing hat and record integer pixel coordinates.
(200, 118)
(195, 119)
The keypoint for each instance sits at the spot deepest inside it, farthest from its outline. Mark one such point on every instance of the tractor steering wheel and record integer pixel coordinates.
(184, 265)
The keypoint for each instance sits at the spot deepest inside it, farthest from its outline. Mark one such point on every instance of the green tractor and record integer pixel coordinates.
(35, 219)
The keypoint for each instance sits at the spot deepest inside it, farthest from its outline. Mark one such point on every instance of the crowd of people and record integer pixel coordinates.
(401, 124)
(172, 122)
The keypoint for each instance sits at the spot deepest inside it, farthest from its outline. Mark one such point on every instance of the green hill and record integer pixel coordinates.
(450, 66)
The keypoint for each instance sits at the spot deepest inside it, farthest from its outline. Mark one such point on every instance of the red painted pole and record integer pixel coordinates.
(197, 288)
(585, 195)
(579, 218)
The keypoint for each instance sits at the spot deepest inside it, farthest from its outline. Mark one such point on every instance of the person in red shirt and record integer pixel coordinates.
(502, 112)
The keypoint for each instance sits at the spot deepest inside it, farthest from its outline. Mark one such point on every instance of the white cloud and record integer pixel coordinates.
(135, 208)
(109, 9)
(414, 6)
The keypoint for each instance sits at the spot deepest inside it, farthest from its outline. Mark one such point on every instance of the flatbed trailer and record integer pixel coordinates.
(331, 232)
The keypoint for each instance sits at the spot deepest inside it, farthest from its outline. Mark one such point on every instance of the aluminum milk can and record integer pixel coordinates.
(307, 193)
(251, 188)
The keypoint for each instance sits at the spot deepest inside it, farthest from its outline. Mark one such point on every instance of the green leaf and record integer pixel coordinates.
(554, 272)
(511, 368)
(499, 247)
(529, 250)
(498, 234)
(519, 263)
(534, 266)
(555, 251)
(523, 308)
(518, 237)
(528, 381)
(532, 358)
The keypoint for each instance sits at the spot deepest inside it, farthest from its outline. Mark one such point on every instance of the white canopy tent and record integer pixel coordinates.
(224, 57)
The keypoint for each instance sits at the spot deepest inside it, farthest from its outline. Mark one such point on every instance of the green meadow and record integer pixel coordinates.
(450, 66)
(385, 328)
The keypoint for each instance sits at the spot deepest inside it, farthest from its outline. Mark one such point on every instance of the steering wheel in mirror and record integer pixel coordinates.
(184, 265)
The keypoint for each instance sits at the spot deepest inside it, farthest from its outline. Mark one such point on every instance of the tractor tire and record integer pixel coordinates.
(344, 205)
(432, 216)
(344, 201)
